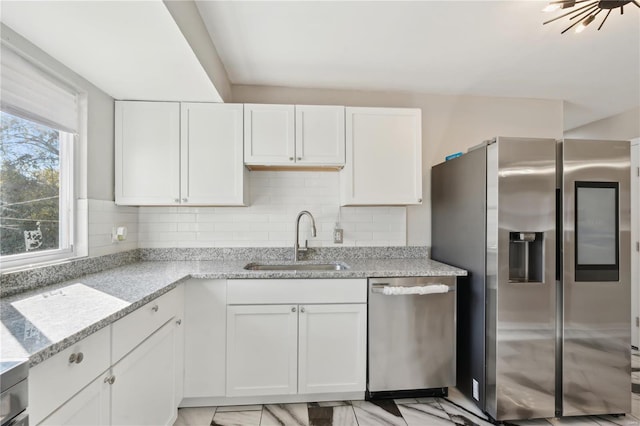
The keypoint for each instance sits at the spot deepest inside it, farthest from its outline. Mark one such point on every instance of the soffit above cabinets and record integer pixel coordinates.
(129, 49)
(479, 48)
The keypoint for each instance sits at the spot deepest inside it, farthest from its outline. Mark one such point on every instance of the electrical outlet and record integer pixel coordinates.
(337, 236)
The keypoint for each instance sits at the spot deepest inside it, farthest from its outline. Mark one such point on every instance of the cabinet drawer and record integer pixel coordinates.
(131, 330)
(56, 380)
(296, 291)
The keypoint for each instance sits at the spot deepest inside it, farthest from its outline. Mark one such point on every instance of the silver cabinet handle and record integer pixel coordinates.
(176, 200)
(155, 308)
(419, 200)
(110, 379)
(76, 357)
(178, 322)
(299, 158)
(302, 310)
(293, 309)
(184, 200)
(290, 158)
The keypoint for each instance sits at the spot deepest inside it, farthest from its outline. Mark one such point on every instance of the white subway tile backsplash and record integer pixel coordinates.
(103, 217)
(276, 199)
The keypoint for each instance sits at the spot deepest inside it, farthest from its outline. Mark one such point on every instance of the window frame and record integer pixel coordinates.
(73, 213)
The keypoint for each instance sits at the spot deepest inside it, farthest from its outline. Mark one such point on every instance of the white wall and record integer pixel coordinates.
(276, 199)
(623, 126)
(97, 189)
(449, 124)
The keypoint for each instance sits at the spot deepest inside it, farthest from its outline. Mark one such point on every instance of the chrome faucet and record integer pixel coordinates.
(296, 246)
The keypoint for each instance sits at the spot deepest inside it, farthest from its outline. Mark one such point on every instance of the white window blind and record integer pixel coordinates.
(28, 92)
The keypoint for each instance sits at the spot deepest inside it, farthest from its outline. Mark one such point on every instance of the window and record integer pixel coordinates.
(39, 124)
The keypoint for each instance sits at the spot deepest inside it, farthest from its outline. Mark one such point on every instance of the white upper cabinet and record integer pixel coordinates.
(269, 132)
(169, 153)
(147, 152)
(212, 170)
(294, 136)
(320, 135)
(383, 157)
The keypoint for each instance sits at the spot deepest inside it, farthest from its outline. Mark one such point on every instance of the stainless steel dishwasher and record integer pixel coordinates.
(412, 337)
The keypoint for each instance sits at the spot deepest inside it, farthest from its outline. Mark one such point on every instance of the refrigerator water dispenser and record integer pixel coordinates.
(526, 257)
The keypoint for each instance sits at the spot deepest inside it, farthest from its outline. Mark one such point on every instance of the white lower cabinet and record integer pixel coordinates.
(56, 380)
(91, 406)
(296, 349)
(129, 373)
(204, 338)
(178, 348)
(332, 348)
(293, 348)
(143, 389)
(262, 344)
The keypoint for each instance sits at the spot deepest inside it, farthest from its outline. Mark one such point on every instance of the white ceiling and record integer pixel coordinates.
(485, 48)
(129, 49)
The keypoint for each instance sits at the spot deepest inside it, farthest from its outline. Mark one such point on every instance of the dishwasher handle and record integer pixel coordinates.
(389, 290)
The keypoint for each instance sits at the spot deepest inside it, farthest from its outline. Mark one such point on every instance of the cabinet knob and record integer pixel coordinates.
(179, 321)
(419, 200)
(290, 158)
(155, 308)
(110, 379)
(176, 200)
(299, 158)
(76, 357)
(293, 309)
(184, 200)
(302, 310)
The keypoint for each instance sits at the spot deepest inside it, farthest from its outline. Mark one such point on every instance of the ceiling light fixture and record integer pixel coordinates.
(585, 13)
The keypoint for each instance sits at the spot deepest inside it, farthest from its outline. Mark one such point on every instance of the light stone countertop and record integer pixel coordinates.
(40, 323)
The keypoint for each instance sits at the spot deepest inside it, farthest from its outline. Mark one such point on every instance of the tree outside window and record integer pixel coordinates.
(29, 186)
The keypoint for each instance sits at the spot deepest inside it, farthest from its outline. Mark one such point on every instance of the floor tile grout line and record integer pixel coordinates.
(461, 407)
(215, 410)
(354, 415)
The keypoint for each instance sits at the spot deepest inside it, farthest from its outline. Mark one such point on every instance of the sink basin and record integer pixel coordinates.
(332, 266)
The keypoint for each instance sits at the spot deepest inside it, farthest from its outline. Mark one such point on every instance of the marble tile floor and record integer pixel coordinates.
(453, 410)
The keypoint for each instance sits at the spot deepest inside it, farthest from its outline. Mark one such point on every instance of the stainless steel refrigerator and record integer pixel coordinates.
(543, 227)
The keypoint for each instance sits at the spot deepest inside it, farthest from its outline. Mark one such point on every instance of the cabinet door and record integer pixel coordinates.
(55, 380)
(383, 157)
(205, 333)
(178, 348)
(269, 134)
(89, 407)
(143, 390)
(320, 135)
(147, 153)
(261, 349)
(332, 353)
(212, 167)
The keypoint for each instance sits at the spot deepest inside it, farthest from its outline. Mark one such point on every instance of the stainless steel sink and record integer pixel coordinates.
(332, 266)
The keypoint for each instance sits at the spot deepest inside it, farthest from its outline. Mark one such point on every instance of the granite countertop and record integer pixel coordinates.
(40, 323)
